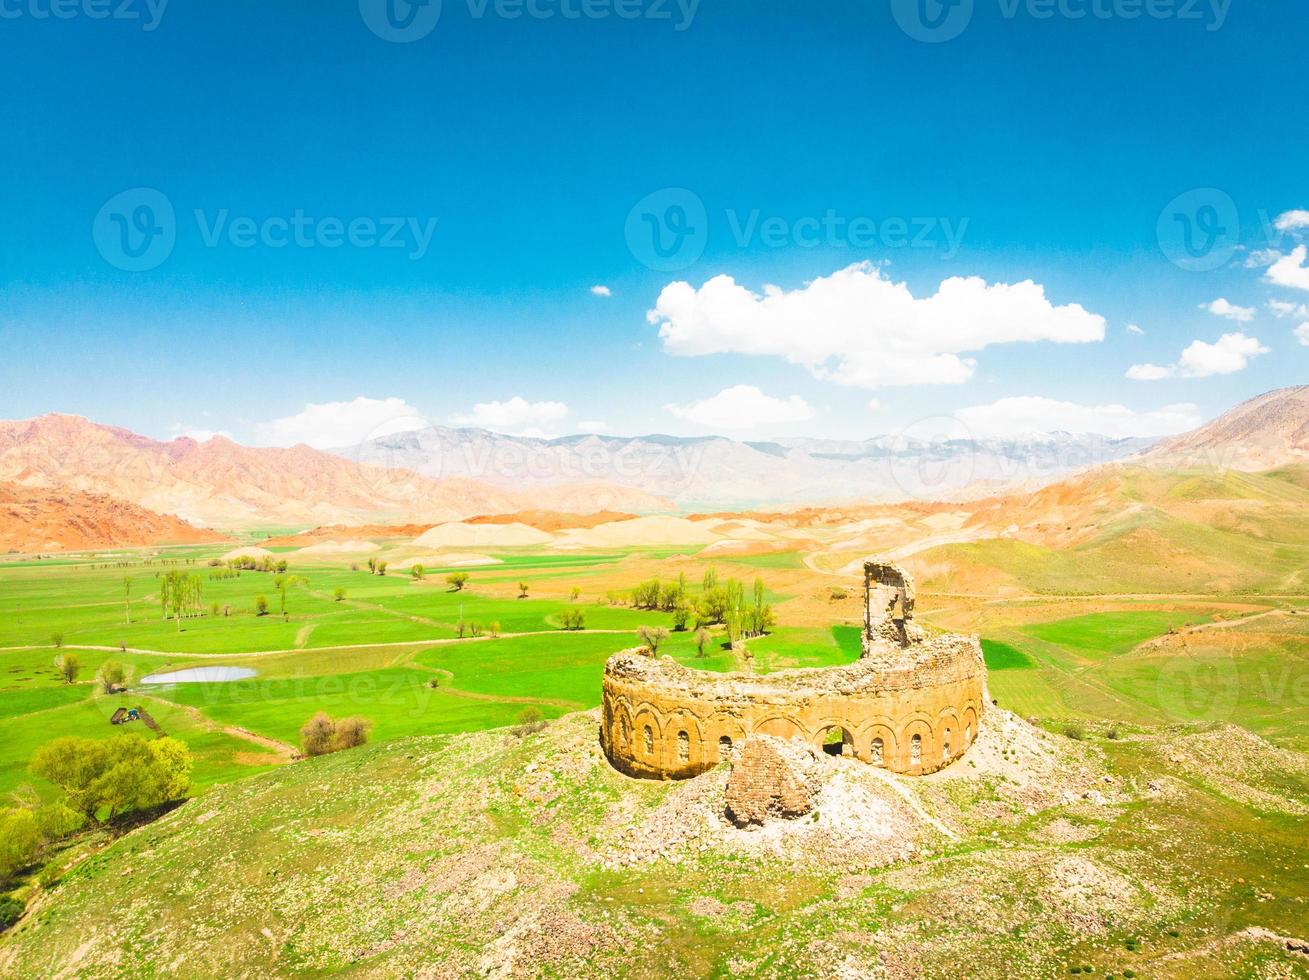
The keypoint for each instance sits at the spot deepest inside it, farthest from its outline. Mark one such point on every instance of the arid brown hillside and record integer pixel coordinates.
(1263, 433)
(34, 520)
(219, 483)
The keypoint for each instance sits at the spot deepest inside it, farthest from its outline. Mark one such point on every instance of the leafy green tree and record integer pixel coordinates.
(574, 593)
(20, 840)
(114, 775)
(180, 594)
(651, 637)
(522, 590)
(381, 568)
(127, 599)
(702, 638)
(417, 571)
(261, 605)
(68, 666)
(338, 594)
(112, 676)
(681, 616)
(57, 639)
(456, 580)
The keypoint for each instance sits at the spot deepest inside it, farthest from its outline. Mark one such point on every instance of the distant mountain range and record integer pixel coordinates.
(66, 482)
(221, 484)
(718, 473)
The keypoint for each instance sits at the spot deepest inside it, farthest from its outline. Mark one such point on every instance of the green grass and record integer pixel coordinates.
(788, 647)
(1001, 656)
(1109, 633)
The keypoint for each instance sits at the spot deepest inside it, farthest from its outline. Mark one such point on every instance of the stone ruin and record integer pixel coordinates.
(910, 704)
(772, 778)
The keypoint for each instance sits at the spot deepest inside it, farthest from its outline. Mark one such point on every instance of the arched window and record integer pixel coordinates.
(945, 746)
(724, 747)
(879, 752)
(624, 731)
(916, 750)
(683, 747)
(649, 741)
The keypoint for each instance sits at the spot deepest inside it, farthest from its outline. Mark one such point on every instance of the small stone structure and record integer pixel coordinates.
(910, 704)
(771, 778)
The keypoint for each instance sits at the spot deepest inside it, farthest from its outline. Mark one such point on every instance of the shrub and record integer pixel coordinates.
(316, 734)
(381, 568)
(494, 627)
(1074, 731)
(321, 735)
(1113, 734)
(530, 721)
(417, 571)
(57, 639)
(350, 733)
(457, 580)
(11, 910)
(835, 593)
(574, 593)
(261, 605)
(338, 594)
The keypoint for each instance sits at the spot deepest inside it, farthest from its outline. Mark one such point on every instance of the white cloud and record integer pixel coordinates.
(1292, 220)
(1149, 372)
(1290, 270)
(600, 290)
(874, 404)
(592, 425)
(1302, 334)
(1221, 307)
(1280, 309)
(1028, 415)
(515, 415)
(332, 425)
(199, 435)
(856, 327)
(743, 407)
(1232, 352)
(1132, 328)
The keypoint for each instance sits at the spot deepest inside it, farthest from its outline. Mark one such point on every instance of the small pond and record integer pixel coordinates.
(200, 675)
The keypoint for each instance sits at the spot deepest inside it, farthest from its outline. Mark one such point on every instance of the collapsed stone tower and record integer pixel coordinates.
(911, 704)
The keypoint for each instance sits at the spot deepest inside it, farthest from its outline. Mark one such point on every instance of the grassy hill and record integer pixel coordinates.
(493, 854)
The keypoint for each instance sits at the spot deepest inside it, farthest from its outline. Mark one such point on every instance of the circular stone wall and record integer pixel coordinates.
(911, 713)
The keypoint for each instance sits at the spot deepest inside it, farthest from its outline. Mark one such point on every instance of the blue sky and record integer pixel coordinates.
(1034, 145)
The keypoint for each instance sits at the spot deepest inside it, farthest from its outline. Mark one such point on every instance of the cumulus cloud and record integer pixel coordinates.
(1029, 415)
(199, 435)
(1302, 334)
(601, 290)
(1290, 270)
(1232, 352)
(1292, 220)
(1132, 328)
(856, 327)
(1221, 307)
(330, 425)
(515, 415)
(592, 425)
(1281, 309)
(743, 407)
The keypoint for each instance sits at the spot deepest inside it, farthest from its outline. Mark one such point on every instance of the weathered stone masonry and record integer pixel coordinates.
(909, 704)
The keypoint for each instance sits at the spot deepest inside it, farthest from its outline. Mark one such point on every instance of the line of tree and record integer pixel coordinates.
(321, 735)
(181, 594)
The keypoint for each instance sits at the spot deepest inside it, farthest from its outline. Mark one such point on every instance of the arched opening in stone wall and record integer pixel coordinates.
(916, 750)
(724, 748)
(877, 752)
(945, 746)
(648, 740)
(836, 740)
(683, 747)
